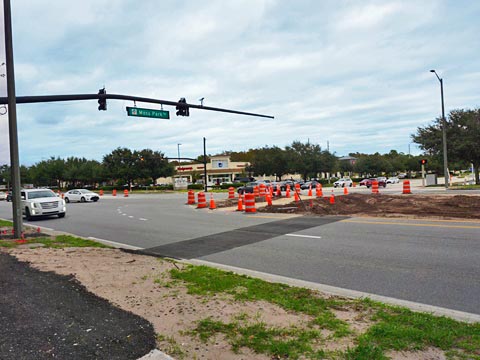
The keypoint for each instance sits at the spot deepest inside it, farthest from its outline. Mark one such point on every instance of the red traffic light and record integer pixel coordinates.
(423, 161)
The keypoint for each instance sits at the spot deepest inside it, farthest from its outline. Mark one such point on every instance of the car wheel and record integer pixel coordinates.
(82, 199)
(343, 185)
(27, 214)
(350, 185)
(384, 185)
(368, 186)
(62, 215)
(95, 200)
(67, 200)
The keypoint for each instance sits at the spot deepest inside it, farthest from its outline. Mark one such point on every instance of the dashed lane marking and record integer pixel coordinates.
(304, 236)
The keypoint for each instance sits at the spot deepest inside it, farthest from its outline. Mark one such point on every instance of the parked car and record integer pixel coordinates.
(41, 202)
(306, 185)
(393, 180)
(368, 182)
(3, 196)
(243, 179)
(402, 176)
(248, 188)
(81, 195)
(345, 181)
(382, 178)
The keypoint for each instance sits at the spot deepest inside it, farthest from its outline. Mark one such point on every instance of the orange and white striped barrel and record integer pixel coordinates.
(375, 187)
(231, 192)
(279, 190)
(191, 197)
(263, 189)
(318, 190)
(406, 187)
(250, 203)
(125, 193)
(114, 192)
(201, 200)
(256, 191)
(101, 192)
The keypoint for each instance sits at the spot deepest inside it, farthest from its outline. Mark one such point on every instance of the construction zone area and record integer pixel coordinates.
(373, 204)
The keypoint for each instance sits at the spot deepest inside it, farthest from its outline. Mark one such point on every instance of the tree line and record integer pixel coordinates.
(121, 166)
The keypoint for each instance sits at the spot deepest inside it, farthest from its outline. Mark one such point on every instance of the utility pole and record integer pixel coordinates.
(12, 121)
(205, 163)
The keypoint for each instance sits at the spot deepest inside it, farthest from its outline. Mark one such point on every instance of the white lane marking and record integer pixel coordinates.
(124, 214)
(305, 236)
(115, 244)
(130, 216)
(142, 219)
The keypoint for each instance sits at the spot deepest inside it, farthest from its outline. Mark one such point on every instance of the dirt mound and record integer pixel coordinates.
(458, 206)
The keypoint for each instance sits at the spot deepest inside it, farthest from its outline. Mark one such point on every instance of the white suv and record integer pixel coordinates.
(345, 181)
(41, 202)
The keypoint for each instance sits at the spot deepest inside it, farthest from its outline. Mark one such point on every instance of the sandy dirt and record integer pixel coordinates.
(139, 284)
(421, 206)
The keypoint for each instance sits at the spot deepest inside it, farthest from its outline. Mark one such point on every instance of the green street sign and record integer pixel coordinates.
(151, 113)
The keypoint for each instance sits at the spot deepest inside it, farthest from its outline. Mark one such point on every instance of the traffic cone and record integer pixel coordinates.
(332, 198)
(310, 190)
(345, 191)
(297, 198)
(212, 202)
(269, 200)
(240, 203)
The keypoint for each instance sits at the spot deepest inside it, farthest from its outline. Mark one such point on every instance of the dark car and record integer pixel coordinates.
(248, 188)
(306, 185)
(9, 197)
(368, 182)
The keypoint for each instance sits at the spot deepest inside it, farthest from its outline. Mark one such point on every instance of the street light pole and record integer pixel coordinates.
(178, 153)
(444, 133)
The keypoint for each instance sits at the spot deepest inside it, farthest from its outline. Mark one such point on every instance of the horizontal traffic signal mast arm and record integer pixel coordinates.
(55, 98)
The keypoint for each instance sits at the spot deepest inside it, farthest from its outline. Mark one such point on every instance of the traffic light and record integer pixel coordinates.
(102, 102)
(423, 162)
(182, 108)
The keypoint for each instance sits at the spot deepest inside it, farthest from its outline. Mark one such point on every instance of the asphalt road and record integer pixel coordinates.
(431, 262)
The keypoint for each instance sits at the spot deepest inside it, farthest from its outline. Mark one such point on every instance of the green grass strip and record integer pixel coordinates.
(58, 242)
(5, 223)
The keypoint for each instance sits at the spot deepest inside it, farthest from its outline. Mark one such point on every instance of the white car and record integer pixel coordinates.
(345, 181)
(382, 178)
(41, 202)
(3, 196)
(393, 180)
(81, 195)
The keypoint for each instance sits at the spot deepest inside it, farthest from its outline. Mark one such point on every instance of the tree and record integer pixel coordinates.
(153, 165)
(309, 159)
(270, 161)
(370, 165)
(463, 137)
(122, 164)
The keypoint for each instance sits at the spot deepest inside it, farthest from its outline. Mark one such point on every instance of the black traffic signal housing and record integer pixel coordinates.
(182, 108)
(423, 162)
(102, 102)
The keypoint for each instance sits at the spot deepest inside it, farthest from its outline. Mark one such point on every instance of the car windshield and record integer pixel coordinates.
(84, 191)
(41, 194)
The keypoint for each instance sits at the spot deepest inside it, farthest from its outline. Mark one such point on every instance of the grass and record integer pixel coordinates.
(5, 223)
(58, 242)
(392, 328)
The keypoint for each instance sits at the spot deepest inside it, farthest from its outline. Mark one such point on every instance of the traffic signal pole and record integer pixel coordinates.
(76, 97)
(12, 122)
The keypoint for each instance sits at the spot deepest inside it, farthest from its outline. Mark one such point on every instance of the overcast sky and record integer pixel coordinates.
(354, 74)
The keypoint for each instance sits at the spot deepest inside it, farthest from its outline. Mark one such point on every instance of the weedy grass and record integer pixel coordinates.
(57, 242)
(5, 223)
(392, 328)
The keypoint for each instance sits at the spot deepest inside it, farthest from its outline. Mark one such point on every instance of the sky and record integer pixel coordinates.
(351, 76)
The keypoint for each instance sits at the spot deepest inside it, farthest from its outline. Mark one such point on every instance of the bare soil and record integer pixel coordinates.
(141, 284)
(422, 206)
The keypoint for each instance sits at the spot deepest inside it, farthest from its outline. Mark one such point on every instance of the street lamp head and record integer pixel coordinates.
(432, 71)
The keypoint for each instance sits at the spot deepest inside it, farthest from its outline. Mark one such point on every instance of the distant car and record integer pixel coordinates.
(402, 176)
(382, 178)
(345, 181)
(249, 187)
(393, 180)
(306, 185)
(41, 202)
(81, 195)
(368, 182)
(3, 196)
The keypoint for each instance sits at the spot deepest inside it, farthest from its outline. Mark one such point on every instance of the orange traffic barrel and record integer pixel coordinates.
(101, 192)
(250, 203)
(263, 189)
(318, 190)
(201, 200)
(191, 197)
(345, 191)
(125, 193)
(406, 187)
(287, 193)
(279, 190)
(231, 192)
(256, 191)
(375, 187)
(114, 192)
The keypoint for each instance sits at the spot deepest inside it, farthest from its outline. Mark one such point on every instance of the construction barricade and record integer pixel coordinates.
(318, 190)
(256, 191)
(114, 192)
(231, 192)
(406, 187)
(250, 203)
(191, 197)
(101, 192)
(374, 187)
(263, 190)
(125, 193)
(201, 200)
